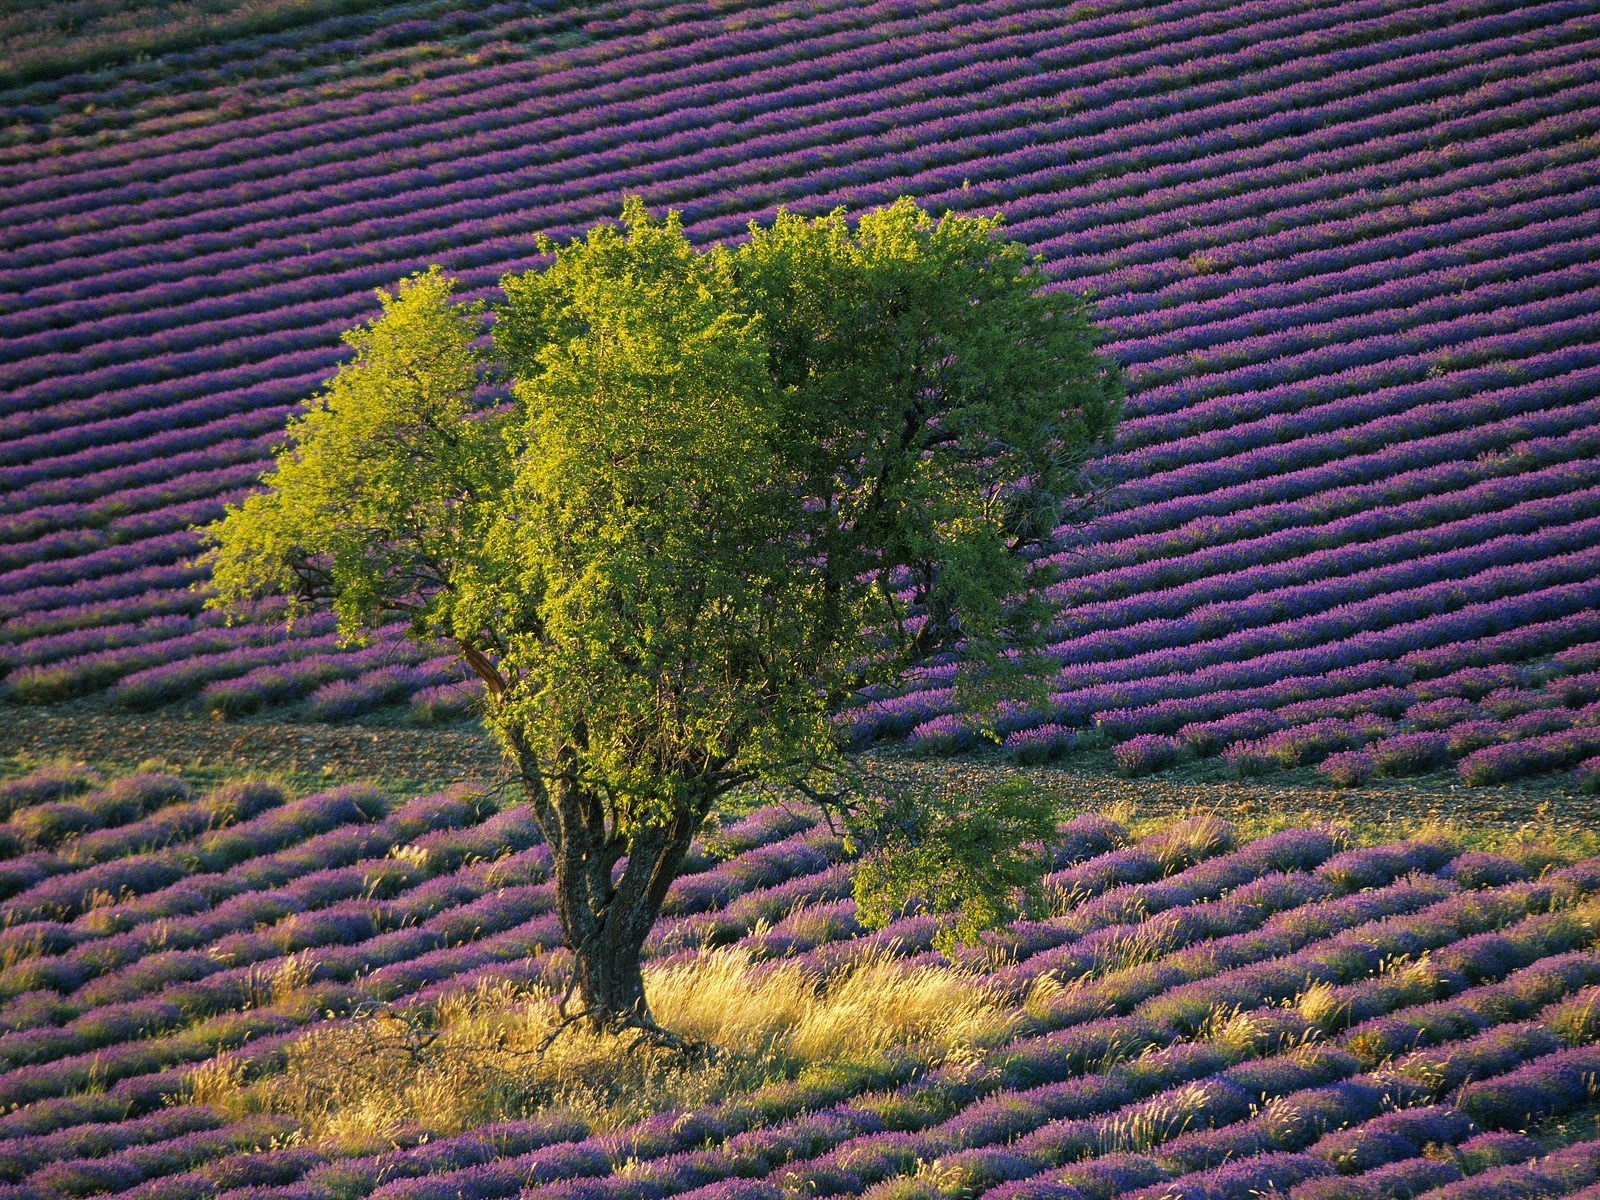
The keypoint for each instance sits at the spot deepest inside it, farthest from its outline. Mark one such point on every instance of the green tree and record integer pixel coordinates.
(735, 487)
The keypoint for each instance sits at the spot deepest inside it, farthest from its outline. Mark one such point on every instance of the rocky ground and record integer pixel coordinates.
(410, 759)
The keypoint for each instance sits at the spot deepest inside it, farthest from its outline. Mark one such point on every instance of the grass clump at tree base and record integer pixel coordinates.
(486, 1054)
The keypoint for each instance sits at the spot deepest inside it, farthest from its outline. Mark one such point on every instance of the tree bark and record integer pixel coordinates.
(606, 915)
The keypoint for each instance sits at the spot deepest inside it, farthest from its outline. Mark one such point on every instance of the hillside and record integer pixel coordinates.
(1347, 253)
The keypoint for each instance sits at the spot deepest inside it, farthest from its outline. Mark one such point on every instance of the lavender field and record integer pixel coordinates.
(1347, 253)
(1202, 1013)
(1348, 532)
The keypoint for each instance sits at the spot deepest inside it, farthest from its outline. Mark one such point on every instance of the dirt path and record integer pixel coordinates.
(342, 752)
(416, 758)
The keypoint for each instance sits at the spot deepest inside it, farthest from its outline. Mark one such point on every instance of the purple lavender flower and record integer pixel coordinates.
(1147, 753)
(1478, 869)
(1348, 768)
(1040, 743)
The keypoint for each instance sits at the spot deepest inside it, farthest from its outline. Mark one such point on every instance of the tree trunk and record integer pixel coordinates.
(606, 920)
(610, 986)
(605, 916)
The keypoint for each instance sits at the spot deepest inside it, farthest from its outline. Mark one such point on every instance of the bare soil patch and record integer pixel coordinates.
(421, 758)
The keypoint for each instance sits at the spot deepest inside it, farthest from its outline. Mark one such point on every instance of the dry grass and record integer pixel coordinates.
(474, 1057)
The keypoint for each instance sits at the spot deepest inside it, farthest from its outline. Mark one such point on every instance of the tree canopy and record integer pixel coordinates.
(733, 487)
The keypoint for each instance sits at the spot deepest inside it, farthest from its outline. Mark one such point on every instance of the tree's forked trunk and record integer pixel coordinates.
(606, 922)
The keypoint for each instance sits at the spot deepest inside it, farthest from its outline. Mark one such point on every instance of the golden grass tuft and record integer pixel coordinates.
(474, 1057)
(1320, 1005)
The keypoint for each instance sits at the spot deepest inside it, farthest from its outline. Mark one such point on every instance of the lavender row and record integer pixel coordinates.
(1266, 431)
(98, 668)
(1287, 542)
(384, 233)
(104, 483)
(1154, 416)
(257, 884)
(129, 504)
(504, 84)
(860, 1152)
(270, 170)
(653, 1139)
(287, 316)
(733, 225)
(335, 909)
(535, 83)
(1333, 125)
(448, 1181)
(1344, 575)
(1449, 607)
(1341, 487)
(104, 823)
(501, 927)
(1219, 708)
(1541, 611)
(1419, 292)
(1355, 1101)
(1008, 1116)
(397, 668)
(1519, 298)
(1335, 1116)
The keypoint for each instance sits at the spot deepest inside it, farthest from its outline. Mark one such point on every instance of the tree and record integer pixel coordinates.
(734, 487)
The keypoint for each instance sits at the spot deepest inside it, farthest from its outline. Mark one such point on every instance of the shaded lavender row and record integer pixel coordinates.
(560, 139)
(504, 92)
(446, 80)
(318, 77)
(206, 66)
